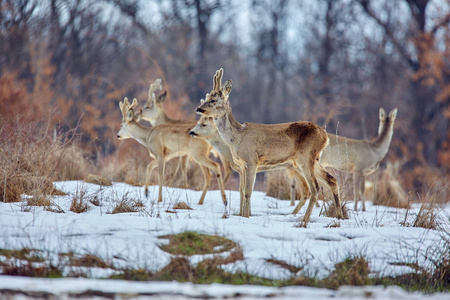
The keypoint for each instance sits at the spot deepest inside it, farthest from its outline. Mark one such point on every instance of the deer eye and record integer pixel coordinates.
(203, 125)
(213, 101)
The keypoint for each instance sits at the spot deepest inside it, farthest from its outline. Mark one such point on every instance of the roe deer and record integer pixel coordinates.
(165, 142)
(360, 157)
(155, 113)
(206, 129)
(252, 145)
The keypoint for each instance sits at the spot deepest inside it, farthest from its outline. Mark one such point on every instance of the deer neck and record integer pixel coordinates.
(382, 142)
(162, 118)
(228, 128)
(139, 132)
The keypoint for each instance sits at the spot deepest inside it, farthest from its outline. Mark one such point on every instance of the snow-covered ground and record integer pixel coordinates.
(131, 239)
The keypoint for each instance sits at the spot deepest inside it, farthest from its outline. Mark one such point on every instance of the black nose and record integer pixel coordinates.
(118, 136)
(200, 110)
(192, 133)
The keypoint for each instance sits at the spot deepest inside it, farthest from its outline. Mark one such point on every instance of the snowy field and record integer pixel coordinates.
(130, 240)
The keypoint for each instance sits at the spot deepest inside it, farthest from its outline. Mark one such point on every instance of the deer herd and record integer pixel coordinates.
(302, 148)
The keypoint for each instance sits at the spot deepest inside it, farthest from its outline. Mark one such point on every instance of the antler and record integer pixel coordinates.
(125, 107)
(155, 86)
(217, 81)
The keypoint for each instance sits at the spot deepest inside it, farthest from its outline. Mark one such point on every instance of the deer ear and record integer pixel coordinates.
(161, 97)
(382, 114)
(226, 88)
(393, 114)
(130, 115)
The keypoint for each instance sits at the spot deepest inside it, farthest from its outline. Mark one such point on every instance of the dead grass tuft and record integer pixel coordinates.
(80, 201)
(127, 205)
(78, 205)
(331, 212)
(427, 217)
(181, 205)
(351, 271)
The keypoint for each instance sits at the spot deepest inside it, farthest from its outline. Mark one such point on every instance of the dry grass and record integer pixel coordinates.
(127, 205)
(80, 201)
(427, 216)
(190, 243)
(179, 269)
(388, 191)
(181, 205)
(351, 271)
(132, 169)
(331, 212)
(32, 157)
(87, 260)
(283, 264)
(279, 185)
(95, 179)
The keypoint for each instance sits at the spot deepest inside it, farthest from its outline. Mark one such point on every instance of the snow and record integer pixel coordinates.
(132, 240)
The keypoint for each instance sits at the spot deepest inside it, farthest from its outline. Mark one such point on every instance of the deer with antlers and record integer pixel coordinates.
(299, 143)
(155, 113)
(206, 129)
(165, 142)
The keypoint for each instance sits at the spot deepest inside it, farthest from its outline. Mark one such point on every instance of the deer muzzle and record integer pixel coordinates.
(200, 110)
(192, 133)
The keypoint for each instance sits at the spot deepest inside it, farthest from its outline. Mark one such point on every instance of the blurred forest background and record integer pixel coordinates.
(65, 64)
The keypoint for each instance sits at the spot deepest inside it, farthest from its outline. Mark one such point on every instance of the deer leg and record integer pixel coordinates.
(291, 175)
(357, 176)
(304, 188)
(184, 162)
(207, 177)
(250, 176)
(161, 166)
(227, 171)
(313, 186)
(331, 182)
(150, 167)
(362, 188)
(215, 167)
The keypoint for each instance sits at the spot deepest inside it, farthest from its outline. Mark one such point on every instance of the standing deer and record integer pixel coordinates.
(252, 145)
(206, 129)
(360, 157)
(155, 113)
(165, 142)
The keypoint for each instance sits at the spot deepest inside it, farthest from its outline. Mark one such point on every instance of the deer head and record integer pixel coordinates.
(205, 127)
(386, 120)
(216, 102)
(153, 108)
(128, 117)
